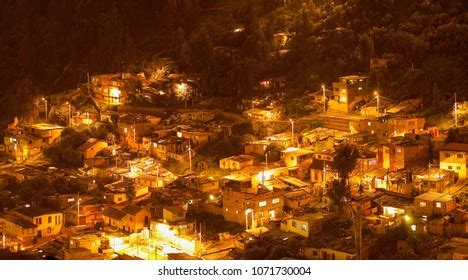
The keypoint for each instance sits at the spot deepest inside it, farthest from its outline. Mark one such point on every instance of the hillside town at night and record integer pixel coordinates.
(254, 130)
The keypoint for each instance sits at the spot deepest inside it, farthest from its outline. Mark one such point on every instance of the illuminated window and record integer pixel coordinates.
(413, 227)
(262, 203)
(438, 205)
(226, 209)
(422, 204)
(275, 200)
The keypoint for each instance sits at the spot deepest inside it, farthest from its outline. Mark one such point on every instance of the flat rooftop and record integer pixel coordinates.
(433, 196)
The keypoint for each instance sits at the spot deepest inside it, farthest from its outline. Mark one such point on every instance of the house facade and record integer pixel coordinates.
(252, 207)
(454, 157)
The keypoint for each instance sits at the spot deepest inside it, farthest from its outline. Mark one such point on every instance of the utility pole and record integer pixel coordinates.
(190, 156)
(78, 211)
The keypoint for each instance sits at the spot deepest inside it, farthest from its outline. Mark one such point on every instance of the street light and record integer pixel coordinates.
(378, 102)
(78, 211)
(190, 155)
(69, 113)
(45, 100)
(325, 168)
(324, 99)
(292, 132)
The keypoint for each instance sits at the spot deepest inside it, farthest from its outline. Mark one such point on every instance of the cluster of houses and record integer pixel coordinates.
(406, 172)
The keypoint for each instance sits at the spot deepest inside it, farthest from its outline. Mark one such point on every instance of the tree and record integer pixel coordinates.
(339, 194)
(364, 51)
(345, 161)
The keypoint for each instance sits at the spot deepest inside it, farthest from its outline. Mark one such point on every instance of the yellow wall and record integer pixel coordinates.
(47, 225)
(13, 229)
(454, 161)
